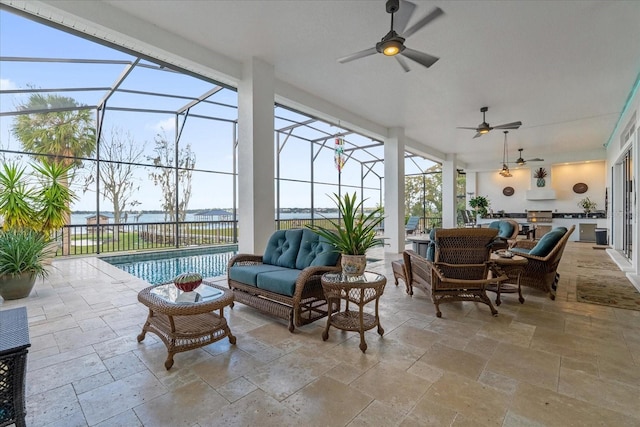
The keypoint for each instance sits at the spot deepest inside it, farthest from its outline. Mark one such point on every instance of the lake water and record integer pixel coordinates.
(81, 219)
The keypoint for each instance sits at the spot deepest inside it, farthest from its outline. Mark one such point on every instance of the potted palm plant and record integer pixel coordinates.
(353, 234)
(22, 252)
(31, 207)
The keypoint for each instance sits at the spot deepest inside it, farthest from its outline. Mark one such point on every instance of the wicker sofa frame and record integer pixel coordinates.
(307, 303)
(542, 272)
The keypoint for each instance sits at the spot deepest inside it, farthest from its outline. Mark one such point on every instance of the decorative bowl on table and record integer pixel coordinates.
(505, 254)
(187, 282)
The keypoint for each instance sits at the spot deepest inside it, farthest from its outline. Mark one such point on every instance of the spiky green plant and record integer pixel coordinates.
(22, 251)
(355, 233)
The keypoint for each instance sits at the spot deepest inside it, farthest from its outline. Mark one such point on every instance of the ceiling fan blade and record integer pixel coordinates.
(473, 128)
(402, 17)
(537, 159)
(420, 57)
(358, 55)
(478, 134)
(514, 125)
(403, 63)
(422, 22)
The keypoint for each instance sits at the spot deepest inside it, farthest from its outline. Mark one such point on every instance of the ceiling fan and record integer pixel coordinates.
(392, 44)
(521, 162)
(484, 127)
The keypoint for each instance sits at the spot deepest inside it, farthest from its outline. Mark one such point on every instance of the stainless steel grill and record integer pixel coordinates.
(540, 216)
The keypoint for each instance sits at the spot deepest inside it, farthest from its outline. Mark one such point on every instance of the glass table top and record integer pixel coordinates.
(367, 277)
(170, 293)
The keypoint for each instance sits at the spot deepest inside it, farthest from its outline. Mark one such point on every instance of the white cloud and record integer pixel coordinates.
(6, 84)
(166, 125)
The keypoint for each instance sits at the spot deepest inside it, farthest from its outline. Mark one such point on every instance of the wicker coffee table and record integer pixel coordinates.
(359, 290)
(185, 320)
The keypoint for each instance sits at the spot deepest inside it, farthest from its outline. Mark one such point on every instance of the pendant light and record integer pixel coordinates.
(505, 169)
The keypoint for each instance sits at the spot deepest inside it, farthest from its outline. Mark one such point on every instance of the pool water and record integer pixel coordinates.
(162, 267)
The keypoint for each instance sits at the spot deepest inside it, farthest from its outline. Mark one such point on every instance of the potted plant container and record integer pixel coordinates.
(353, 234)
(21, 261)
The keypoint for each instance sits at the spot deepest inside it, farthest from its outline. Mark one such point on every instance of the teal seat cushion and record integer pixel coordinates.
(281, 282)
(505, 228)
(282, 248)
(548, 242)
(315, 251)
(520, 250)
(431, 248)
(248, 274)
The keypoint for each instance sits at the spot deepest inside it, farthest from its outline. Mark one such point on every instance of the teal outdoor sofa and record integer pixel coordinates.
(285, 280)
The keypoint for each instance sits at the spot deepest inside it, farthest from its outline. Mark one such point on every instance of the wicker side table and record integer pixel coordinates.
(512, 267)
(185, 320)
(14, 344)
(359, 290)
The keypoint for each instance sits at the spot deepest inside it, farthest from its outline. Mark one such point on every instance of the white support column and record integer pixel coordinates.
(394, 190)
(449, 192)
(256, 193)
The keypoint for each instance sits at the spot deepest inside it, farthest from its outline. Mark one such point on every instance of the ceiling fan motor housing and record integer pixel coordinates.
(393, 6)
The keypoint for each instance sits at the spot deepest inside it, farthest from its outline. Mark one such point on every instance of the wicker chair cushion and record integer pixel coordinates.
(281, 282)
(505, 228)
(282, 248)
(249, 273)
(431, 247)
(520, 250)
(315, 251)
(548, 242)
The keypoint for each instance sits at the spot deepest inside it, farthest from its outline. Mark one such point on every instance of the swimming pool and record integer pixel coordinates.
(162, 267)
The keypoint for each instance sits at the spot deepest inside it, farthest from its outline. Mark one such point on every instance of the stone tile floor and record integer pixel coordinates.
(556, 363)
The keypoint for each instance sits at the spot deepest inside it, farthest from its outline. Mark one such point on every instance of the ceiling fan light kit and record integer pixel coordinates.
(392, 44)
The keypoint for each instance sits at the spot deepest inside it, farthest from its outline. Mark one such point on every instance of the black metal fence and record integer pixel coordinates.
(105, 238)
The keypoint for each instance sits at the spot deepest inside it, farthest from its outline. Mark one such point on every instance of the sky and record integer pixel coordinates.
(211, 141)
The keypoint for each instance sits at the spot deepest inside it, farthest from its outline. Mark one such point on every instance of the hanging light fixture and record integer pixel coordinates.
(505, 172)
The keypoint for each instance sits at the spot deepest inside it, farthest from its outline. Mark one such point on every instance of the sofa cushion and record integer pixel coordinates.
(548, 242)
(248, 274)
(315, 251)
(282, 248)
(520, 250)
(281, 282)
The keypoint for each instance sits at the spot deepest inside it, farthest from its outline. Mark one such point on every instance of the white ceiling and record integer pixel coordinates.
(563, 68)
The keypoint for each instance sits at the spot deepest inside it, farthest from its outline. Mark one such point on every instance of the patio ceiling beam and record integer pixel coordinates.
(66, 60)
(66, 89)
(47, 110)
(364, 147)
(201, 98)
(127, 70)
(293, 126)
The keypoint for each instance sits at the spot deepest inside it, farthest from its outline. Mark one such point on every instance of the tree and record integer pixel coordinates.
(117, 183)
(163, 175)
(65, 134)
(423, 193)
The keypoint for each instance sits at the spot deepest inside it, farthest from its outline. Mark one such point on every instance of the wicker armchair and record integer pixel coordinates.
(461, 268)
(541, 271)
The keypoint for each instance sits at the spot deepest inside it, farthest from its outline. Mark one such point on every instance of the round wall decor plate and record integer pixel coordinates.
(508, 191)
(580, 188)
